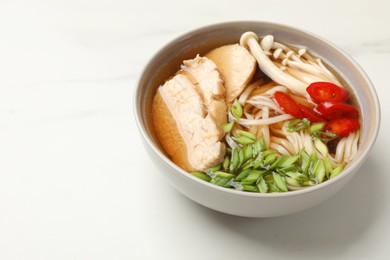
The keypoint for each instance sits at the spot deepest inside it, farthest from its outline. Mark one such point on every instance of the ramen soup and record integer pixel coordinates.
(257, 116)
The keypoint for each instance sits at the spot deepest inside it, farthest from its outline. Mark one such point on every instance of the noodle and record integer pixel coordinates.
(265, 128)
(264, 118)
(268, 121)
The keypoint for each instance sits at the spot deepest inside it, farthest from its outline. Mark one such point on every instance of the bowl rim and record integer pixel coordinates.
(362, 155)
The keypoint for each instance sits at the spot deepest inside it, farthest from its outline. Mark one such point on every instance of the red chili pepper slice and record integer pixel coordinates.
(288, 104)
(310, 114)
(333, 110)
(342, 126)
(326, 91)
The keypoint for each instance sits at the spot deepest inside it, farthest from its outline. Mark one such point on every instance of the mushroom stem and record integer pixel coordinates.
(328, 73)
(305, 67)
(302, 76)
(250, 40)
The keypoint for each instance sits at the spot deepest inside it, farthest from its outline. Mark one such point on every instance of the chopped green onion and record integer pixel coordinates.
(248, 164)
(280, 182)
(291, 168)
(248, 152)
(247, 134)
(243, 140)
(285, 161)
(250, 167)
(228, 127)
(294, 175)
(225, 164)
(316, 127)
(236, 109)
(202, 175)
(241, 157)
(321, 147)
(292, 182)
(270, 158)
(309, 183)
(268, 177)
(305, 161)
(243, 174)
(272, 186)
(319, 170)
(260, 145)
(262, 185)
(215, 168)
(220, 181)
(221, 178)
(224, 174)
(250, 188)
(316, 132)
(289, 162)
(325, 136)
(234, 160)
(313, 162)
(259, 161)
(328, 166)
(252, 176)
(279, 162)
(302, 178)
(298, 125)
(336, 171)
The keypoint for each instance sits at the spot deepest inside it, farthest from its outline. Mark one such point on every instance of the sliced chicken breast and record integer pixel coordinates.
(237, 67)
(207, 80)
(185, 127)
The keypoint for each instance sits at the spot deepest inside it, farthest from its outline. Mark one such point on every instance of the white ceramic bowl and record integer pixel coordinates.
(167, 61)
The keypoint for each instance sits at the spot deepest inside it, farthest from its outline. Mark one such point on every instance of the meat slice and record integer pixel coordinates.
(237, 67)
(203, 73)
(184, 127)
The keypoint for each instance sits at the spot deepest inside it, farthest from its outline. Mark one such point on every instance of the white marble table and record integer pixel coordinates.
(75, 182)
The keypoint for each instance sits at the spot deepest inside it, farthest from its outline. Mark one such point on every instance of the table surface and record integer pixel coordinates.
(75, 182)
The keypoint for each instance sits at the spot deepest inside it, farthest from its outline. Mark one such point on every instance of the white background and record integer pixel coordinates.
(75, 182)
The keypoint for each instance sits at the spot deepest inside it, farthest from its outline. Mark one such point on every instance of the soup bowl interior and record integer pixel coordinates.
(168, 60)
